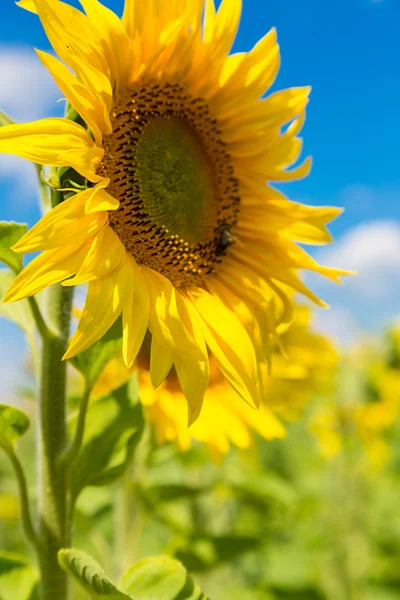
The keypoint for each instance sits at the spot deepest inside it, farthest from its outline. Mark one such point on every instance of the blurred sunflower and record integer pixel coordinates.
(364, 419)
(175, 227)
(225, 420)
(307, 367)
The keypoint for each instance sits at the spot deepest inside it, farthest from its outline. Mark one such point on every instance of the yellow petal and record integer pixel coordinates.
(71, 231)
(129, 17)
(106, 254)
(165, 321)
(114, 40)
(267, 424)
(192, 322)
(101, 200)
(274, 172)
(88, 105)
(71, 34)
(68, 218)
(50, 267)
(194, 377)
(104, 302)
(27, 5)
(269, 113)
(230, 343)
(53, 142)
(220, 29)
(161, 360)
(210, 15)
(96, 81)
(135, 316)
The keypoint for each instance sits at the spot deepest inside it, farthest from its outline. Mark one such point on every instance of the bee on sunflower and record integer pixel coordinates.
(177, 227)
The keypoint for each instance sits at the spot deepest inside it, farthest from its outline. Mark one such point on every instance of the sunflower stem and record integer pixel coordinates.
(54, 522)
(68, 457)
(38, 317)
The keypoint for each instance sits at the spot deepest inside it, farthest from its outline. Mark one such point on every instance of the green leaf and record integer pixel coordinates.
(160, 578)
(20, 312)
(13, 424)
(172, 492)
(92, 361)
(5, 119)
(114, 427)
(89, 575)
(18, 579)
(10, 233)
(262, 487)
(206, 553)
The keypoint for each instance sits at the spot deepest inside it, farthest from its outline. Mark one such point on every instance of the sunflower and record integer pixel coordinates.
(176, 226)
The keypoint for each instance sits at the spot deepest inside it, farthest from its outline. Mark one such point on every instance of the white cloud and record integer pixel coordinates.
(27, 93)
(338, 323)
(373, 250)
(27, 90)
(369, 300)
(21, 174)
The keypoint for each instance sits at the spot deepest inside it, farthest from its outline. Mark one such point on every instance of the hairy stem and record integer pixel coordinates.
(52, 436)
(72, 452)
(37, 315)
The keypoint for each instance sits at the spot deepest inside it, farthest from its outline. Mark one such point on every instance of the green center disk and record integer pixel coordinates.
(176, 179)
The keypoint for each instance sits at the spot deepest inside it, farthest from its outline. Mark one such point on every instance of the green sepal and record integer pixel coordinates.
(13, 424)
(10, 233)
(19, 312)
(5, 119)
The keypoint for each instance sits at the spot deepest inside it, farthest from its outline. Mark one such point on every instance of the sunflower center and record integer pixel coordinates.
(176, 179)
(169, 168)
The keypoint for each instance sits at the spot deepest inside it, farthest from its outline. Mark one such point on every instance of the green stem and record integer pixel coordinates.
(37, 315)
(68, 457)
(27, 526)
(55, 530)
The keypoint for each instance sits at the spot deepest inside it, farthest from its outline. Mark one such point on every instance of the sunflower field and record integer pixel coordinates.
(180, 422)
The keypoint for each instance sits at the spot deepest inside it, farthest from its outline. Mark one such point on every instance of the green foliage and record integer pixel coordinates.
(262, 486)
(13, 424)
(92, 361)
(89, 575)
(18, 580)
(10, 233)
(160, 578)
(209, 552)
(20, 312)
(155, 578)
(114, 427)
(160, 493)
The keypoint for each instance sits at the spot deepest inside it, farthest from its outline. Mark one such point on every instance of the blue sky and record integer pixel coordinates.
(348, 51)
